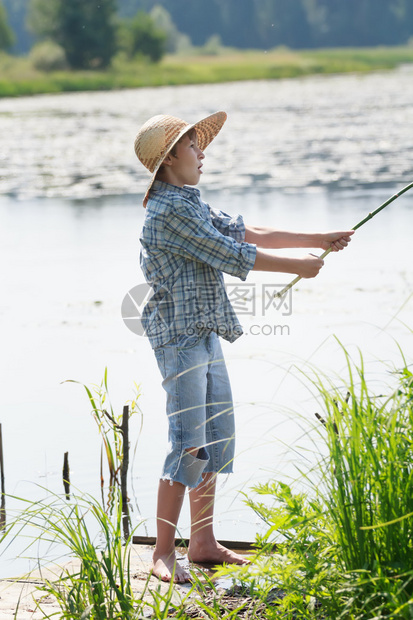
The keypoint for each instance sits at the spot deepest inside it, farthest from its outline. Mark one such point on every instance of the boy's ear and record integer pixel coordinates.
(168, 160)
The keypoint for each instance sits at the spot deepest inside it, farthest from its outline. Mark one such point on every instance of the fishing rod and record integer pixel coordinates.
(359, 225)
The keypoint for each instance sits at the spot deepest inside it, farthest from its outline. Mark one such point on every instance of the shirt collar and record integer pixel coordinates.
(187, 190)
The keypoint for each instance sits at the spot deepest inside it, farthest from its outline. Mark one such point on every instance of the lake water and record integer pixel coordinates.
(310, 154)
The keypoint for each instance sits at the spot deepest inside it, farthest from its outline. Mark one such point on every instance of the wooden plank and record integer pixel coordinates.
(240, 545)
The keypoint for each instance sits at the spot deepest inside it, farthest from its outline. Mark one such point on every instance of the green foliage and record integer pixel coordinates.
(345, 549)
(175, 41)
(42, 16)
(305, 570)
(48, 56)
(87, 32)
(212, 47)
(140, 36)
(6, 33)
(85, 29)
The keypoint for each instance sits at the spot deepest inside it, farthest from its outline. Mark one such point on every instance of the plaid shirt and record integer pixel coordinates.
(186, 246)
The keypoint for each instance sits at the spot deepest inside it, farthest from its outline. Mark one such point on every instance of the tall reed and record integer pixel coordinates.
(369, 484)
(110, 424)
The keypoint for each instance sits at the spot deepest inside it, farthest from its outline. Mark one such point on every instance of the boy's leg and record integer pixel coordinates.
(170, 498)
(184, 368)
(193, 374)
(203, 546)
(220, 430)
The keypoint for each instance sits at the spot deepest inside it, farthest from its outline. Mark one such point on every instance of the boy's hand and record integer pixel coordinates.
(335, 240)
(309, 266)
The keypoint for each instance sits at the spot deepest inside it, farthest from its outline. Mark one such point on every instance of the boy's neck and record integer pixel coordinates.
(183, 187)
(165, 177)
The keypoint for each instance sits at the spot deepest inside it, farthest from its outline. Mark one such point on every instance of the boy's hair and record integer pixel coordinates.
(191, 134)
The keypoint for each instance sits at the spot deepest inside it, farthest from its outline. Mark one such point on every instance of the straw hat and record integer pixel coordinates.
(160, 134)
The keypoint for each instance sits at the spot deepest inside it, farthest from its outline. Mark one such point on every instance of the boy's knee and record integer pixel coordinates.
(193, 451)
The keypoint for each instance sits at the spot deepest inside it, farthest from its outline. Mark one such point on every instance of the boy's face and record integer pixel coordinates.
(185, 167)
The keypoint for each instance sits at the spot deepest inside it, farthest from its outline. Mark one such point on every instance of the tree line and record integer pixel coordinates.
(298, 24)
(91, 31)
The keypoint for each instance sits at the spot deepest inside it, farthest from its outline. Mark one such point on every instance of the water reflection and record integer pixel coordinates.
(324, 131)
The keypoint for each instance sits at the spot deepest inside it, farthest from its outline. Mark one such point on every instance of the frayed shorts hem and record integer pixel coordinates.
(191, 469)
(168, 478)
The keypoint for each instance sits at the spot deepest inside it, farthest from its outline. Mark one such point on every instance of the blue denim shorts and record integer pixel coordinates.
(199, 408)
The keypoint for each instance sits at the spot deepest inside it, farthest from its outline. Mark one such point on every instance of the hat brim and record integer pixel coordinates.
(206, 130)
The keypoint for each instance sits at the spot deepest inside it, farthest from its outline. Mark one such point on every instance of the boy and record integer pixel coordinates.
(186, 246)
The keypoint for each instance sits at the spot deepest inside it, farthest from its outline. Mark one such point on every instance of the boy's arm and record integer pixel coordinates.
(270, 238)
(305, 267)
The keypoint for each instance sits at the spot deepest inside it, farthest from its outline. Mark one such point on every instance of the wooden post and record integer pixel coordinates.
(66, 475)
(3, 496)
(124, 470)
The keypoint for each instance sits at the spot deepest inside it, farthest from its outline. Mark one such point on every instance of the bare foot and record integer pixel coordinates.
(164, 566)
(214, 553)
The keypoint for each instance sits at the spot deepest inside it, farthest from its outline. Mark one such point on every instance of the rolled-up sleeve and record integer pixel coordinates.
(190, 235)
(230, 226)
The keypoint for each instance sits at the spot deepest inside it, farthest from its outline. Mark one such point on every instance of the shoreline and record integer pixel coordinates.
(20, 78)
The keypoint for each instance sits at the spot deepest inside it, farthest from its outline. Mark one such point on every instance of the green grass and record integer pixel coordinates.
(99, 584)
(19, 77)
(346, 546)
(100, 588)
